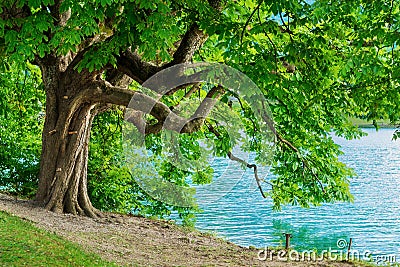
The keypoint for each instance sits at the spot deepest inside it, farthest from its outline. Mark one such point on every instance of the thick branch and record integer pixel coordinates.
(15, 12)
(192, 90)
(117, 78)
(191, 42)
(156, 128)
(108, 93)
(132, 65)
(174, 90)
(204, 109)
(139, 102)
(193, 39)
(61, 19)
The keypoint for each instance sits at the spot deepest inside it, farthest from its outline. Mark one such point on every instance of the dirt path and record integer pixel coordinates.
(135, 241)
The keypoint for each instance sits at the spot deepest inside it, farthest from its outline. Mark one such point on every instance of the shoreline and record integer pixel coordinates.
(136, 241)
(368, 124)
(371, 126)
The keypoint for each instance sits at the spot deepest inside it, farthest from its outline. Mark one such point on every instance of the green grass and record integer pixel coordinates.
(23, 244)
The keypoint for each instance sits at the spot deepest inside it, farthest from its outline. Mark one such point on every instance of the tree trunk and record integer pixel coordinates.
(65, 139)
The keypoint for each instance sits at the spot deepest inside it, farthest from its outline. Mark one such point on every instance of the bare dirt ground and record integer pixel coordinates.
(136, 241)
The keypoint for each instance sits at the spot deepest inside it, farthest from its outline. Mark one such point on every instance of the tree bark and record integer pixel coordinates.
(65, 142)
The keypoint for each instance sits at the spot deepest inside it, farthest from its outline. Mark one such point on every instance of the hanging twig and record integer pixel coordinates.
(241, 161)
(248, 21)
(270, 40)
(294, 148)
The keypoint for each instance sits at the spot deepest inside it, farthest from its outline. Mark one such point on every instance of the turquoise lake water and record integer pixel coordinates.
(234, 209)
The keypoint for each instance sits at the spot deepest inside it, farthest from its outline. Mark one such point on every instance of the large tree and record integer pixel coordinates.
(318, 63)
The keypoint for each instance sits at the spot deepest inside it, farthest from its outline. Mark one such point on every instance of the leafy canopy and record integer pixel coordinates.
(318, 63)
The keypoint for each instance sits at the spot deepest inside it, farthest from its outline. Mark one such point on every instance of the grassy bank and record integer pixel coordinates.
(22, 244)
(119, 240)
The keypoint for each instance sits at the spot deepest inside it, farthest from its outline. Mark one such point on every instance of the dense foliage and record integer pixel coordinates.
(111, 185)
(318, 63)
(21, 118)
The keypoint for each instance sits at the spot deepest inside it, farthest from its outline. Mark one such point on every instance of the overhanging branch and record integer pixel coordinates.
(144, 104)
(288, 144)
(241, 161)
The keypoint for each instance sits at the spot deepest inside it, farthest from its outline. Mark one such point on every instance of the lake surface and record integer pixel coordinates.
(242, 216)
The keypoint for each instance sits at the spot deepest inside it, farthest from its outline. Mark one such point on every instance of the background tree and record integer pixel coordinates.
(21, 117)
(317, 63)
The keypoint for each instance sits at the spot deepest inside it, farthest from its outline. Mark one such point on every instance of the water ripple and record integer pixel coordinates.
(373, 220)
